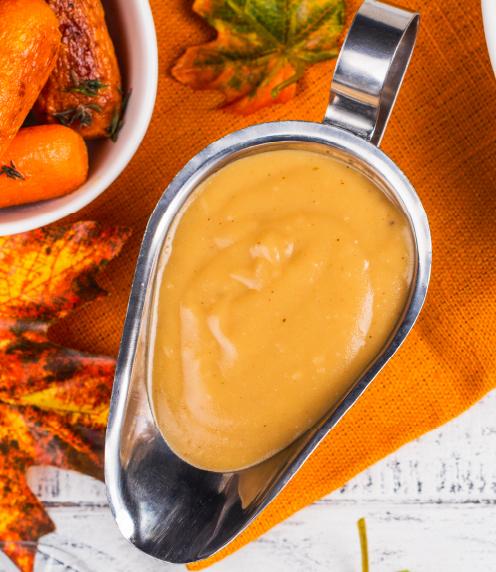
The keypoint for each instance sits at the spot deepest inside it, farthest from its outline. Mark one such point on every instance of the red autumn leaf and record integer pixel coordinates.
(262, 48)
(53, 400)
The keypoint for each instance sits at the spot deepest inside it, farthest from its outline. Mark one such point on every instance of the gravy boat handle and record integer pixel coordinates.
(370, 69)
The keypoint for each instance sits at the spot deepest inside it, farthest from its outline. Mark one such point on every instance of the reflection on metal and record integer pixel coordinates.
(163, 505)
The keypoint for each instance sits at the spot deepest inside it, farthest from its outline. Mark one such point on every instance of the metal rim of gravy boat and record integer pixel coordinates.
(164, 506)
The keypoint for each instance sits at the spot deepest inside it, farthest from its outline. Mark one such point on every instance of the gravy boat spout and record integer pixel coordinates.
(163, 505)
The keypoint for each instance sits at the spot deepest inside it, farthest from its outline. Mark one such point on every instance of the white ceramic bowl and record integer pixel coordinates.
(132, 29)
(489, 18)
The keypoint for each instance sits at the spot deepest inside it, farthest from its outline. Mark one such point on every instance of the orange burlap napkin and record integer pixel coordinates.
(443, 135)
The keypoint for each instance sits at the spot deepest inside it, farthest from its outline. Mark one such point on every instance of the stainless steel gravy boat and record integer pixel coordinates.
(163, 505)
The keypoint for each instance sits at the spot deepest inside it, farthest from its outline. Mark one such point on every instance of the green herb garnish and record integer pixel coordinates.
(88, 87)
(117, 122)
(11, 172)
(82, 114)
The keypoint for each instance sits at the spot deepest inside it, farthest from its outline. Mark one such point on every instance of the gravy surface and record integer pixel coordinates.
(286, 274)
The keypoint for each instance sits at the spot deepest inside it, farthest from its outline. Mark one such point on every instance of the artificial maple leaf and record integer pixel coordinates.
(262, 48)
(53, 400)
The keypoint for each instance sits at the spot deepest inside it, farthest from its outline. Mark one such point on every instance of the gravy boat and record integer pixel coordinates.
(164, 506)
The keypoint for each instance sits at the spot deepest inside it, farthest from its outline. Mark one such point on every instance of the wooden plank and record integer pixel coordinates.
(430, 506)
(457, 461)
(425, 537)
(87, 540)
(428, 537)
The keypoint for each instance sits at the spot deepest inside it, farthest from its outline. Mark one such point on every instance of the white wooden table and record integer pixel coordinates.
(431, 506)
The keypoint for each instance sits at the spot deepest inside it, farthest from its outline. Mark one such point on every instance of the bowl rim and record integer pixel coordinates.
(129, 147)
(489, 21)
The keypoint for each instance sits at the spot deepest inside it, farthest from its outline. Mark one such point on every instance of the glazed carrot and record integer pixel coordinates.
(84, 89)
(41, 163)
(29, 42)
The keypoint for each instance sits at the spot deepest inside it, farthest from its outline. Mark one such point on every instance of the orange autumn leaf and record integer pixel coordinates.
(262, 48)
(53, 400)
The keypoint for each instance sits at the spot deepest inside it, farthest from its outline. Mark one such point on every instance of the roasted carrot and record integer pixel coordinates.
(84, 89)
(29, 42)
(41, 163)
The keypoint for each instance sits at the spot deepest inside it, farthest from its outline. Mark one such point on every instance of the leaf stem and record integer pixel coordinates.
(364, 547)
(289, 81)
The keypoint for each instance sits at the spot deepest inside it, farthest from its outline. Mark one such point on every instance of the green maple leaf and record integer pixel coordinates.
(262, 48)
